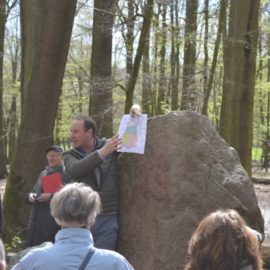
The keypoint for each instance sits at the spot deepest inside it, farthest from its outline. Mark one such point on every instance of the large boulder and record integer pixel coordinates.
(187, 171)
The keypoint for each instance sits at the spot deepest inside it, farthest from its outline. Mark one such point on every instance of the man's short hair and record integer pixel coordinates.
(75, 203)
(88, 123)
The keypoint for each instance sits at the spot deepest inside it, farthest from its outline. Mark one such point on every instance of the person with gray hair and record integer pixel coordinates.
(74, 208)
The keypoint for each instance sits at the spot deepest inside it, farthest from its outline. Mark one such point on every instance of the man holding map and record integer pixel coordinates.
(94, 162)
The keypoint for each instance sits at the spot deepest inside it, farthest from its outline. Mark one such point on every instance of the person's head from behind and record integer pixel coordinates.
(54, 155)
(83, 131)
(2, 256)
(75, 205)
(222, 241)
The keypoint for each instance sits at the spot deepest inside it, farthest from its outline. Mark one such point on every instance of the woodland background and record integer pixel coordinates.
(60, 58)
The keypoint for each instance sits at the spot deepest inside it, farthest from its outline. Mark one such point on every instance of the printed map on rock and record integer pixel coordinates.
(132, 130)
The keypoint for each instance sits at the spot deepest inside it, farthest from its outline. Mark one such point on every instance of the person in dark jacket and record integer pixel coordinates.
(41, 226)
(94, 161)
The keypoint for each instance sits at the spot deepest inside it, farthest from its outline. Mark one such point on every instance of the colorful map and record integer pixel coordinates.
(132, 130)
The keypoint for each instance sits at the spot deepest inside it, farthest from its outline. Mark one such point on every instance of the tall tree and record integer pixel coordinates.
(154, 68)
(221, 21)
(101, 103)
(242, 51)
(174, 59)
(12, 125)
(13, 49)
(40, 107)
(147, 80)
(205, 45)
(147, 18)
(129, 40)
(189, 89)
(162, 99)
(5, 7)
(32, 13)
(3, 157)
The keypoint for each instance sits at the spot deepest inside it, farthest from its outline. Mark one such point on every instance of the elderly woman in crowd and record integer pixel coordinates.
(74, 208)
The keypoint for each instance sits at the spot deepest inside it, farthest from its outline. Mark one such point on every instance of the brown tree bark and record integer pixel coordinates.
(221, 21)
(147, 97)
(101, 103)
(143, 36)
(3, 155)
(12, 129)
(5, 8)
(205, 45)
(174, 59)
(154, 63)
(32, 13)
(189, 88)
(129, 40)
(14, 47)
(242, 40)
(225, 111)
(162, 98)
(40, 107)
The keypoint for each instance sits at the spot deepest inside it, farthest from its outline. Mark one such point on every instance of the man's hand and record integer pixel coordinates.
(32, 197)
(135, 110)
(111, 145)
(44, 197)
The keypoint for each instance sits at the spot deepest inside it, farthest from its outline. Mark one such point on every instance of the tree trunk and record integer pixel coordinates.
(12, 129)
(225, 111)
(162, 93)
(147, 81)
(174, 55)
(260, 90)
(40, 107)
(243, 38)
(14, 47)
(32, 12)
(221, 21)
(189, 88)
(129, 40)
(175, 87)
(101, 103)
(3, 154)
(144, 34)
(205, 45)
(154, 67)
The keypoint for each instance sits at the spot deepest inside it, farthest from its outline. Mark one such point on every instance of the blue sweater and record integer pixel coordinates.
(68, 252)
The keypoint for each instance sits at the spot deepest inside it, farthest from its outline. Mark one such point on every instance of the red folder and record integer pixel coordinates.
(51, 183)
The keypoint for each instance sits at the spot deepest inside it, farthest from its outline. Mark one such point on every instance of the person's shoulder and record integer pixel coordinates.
(43, 172)
(74, 153)
(112, 258)
(35, 254)
(256, 234)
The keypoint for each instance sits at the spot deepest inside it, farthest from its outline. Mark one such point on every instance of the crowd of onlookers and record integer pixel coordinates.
(75, 203)
(222, 240)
